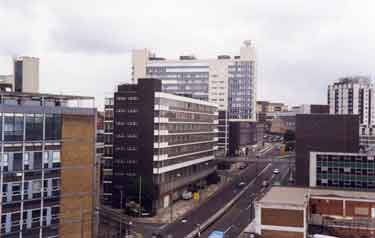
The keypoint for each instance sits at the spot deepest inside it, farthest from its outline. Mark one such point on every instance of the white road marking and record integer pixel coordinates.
(228, 229)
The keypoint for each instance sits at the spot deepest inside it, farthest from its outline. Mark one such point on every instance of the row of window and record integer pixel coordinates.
(32, 189)
(32, 124)
(184, 106)
(185, 149)
(130, 98)
(185, 127)
(30, 219)
(185, 116)
(30, 160)
(181, 139)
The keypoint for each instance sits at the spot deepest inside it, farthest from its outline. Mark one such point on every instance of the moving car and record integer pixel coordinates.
(276, 171)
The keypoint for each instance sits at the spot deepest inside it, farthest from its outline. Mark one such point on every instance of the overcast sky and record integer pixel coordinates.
(84, 45)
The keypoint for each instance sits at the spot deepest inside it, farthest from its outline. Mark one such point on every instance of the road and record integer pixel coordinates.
(234, 221)
(179, 229)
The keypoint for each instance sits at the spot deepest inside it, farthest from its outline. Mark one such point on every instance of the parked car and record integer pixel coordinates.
(187, 195)
(276, 171)
(241, 184)
(243, 166)
(265, 183)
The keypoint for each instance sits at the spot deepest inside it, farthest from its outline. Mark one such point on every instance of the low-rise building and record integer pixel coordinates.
(298, 212)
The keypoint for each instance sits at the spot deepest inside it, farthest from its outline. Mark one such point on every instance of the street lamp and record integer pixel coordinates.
(172, 185)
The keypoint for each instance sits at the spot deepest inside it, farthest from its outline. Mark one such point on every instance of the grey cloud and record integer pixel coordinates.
(302, 45)
(90, 35)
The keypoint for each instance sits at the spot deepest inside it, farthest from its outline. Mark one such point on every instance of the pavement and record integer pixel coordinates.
(180, 207)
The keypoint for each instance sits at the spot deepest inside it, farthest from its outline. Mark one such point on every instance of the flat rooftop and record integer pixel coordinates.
(298, 196)
(285, 196)
(43, 95)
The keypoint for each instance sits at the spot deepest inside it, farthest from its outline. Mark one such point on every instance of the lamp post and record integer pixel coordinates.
(121, 213)
(172, 203)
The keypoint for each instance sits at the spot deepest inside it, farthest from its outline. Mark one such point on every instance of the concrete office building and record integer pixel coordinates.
(323, 133)
(107, 158)
(26, 74)
(342, 170)
(229, 82)
(163, 145)
(297, 212)
(47, 165)
(355, 95)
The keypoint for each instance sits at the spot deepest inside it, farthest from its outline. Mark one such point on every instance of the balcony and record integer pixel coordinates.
(185, 180)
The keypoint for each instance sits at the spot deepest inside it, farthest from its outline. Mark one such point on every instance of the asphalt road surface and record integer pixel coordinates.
(235, 220)
(180, 229)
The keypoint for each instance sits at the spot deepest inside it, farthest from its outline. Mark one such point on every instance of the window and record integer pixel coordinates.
(38, 162)
(56, 159)
(53, 127)
(34, 127)
(4, 160)
(132, 98)
(131, 148)
(13, 127)
(17, 162)
(131, 123)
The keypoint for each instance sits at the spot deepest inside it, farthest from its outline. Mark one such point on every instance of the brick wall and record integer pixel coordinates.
(77, 160)
(281, 234)
(326, 207)
(282, 217)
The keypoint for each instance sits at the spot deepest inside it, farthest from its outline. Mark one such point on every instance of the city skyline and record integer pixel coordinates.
(301, 47)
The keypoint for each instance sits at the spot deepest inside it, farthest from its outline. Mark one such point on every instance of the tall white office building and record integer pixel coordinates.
(229, 82)
(355, 95)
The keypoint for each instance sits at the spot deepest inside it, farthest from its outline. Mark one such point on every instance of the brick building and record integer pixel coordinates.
(296, 212)
(47, 165)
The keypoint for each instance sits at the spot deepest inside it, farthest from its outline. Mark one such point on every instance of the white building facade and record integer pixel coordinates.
(355, 95)
(229, 82)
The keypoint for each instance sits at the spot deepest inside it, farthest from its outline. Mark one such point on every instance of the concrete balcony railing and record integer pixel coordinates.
(184, 181)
